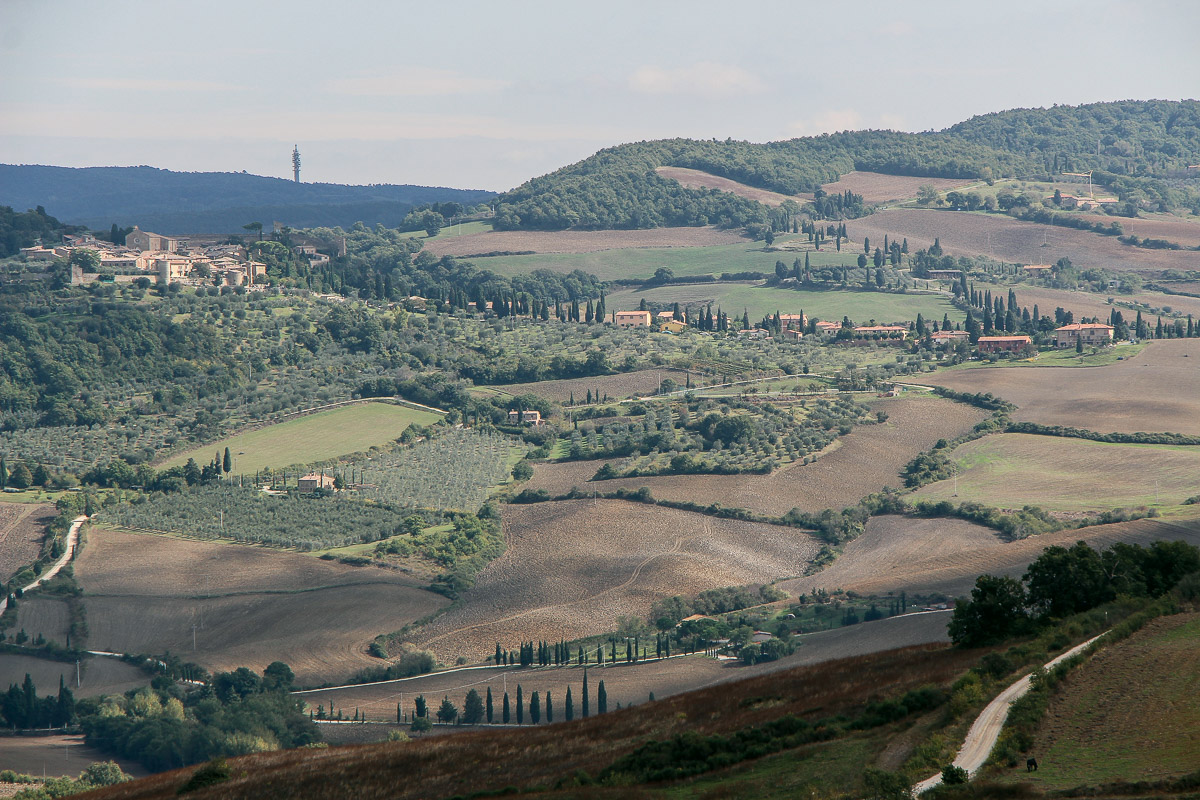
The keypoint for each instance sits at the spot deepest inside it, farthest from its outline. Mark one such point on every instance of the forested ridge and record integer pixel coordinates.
(1129, 143)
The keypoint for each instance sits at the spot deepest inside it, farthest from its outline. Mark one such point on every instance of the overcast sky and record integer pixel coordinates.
(487, 94)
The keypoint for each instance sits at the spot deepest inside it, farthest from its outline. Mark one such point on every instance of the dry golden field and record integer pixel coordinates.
(697, 179)
(475, 244)
(878, 188)
(1007, 239)
(864, 461)
(1157, 390)
(249, 606)
(573, 567)
(22, 527)
(953, 572)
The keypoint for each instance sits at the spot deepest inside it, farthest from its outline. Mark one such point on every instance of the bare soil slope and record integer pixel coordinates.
(22, 527)
(954, 572)
(99, 675)
(1001, 237)
(1157, 390)
(246, 606)
(573, 567)
(475, 244)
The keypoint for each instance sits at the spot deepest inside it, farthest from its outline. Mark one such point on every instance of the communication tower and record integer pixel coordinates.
(296, 162)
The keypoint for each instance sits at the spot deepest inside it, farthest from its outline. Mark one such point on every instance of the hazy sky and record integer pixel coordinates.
(487, 94)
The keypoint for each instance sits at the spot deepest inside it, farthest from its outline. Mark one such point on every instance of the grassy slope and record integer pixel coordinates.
(759, 301)
(642, 262)
(312, 438)
(1012, 469)
(1111, 722)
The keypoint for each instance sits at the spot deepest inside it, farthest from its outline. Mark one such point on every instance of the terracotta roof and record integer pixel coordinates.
(983, 339)
(1084, 326)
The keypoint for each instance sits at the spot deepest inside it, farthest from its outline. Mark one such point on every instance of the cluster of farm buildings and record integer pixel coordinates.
(792, 326)
(163, 259)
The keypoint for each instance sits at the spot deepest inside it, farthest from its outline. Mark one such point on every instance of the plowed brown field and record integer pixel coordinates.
(579, 241)
(1156, 390)
(1178, 230)
(48, 616)
(249, 606)
(866, 460)
(573, 567)
(100, 675)
(22, 527)
(878, 188)
(1011, 240)
(954, 572)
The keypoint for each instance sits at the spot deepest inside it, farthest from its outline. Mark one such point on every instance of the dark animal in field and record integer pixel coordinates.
(1031, 765)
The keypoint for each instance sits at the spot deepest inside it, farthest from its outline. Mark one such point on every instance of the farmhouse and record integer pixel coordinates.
(1003, 344)
(794, 322)
(631, 319)
(825, 326)
(941, 337)
(952, 274)
(526, 418)
(1038, 269)
(313, 481)
(664, 316)
(789, 335)
(880, 332)
(1091, 333)
(671, 326)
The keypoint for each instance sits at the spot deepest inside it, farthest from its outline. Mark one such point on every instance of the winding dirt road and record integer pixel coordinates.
(984, 732)
(56, 567)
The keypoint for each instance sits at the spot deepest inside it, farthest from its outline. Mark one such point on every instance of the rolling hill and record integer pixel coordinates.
(1138, 149)
(209, 202)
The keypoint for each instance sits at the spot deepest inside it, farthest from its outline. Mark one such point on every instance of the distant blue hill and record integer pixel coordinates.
(208, 202)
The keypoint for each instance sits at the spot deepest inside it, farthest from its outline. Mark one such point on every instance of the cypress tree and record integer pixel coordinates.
(585, 694)
(505, 712)
(520, 706)
(488, 706)
(570, 709)
(549, 707)
(535, 708)
(601, 699)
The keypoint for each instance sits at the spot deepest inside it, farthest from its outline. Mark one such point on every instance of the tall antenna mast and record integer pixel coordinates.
(296, 162)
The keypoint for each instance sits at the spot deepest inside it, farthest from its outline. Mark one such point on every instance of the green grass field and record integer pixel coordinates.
(636, 262)
(1011, 470)
(1130, 714)
(759, 301)
(315, 437)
